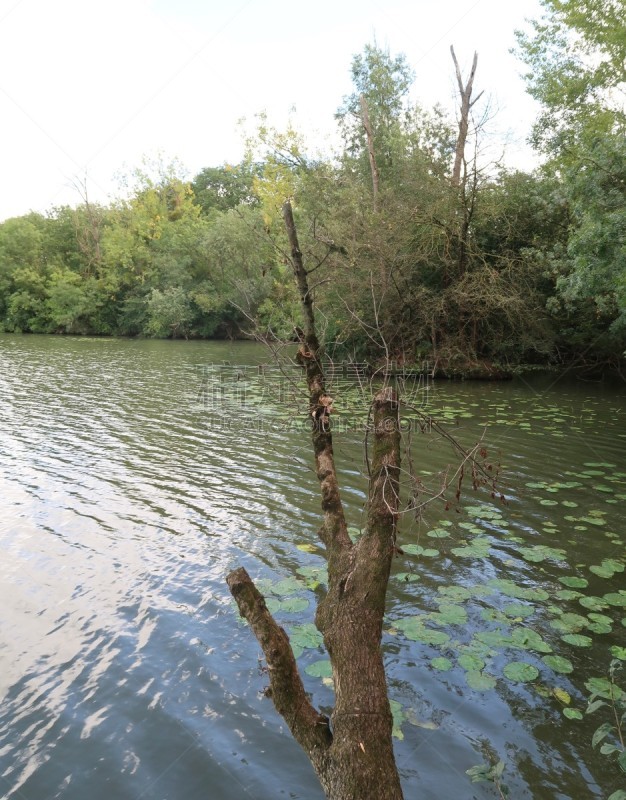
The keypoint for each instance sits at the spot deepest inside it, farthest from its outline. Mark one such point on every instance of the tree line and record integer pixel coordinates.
(420, 244)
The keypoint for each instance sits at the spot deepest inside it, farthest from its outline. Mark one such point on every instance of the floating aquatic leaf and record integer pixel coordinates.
(450, 614)
(438, 533)
(546, 502)
(397, 713)
(414, 629)
(616, 599)
(618, 652)
(493, 639)
(605, 464)
(418, 550)
(290, 606)
(518, 610)
(567, 594)
(574, 582)
(569, 504)
(520, 672)
(573, 713)
(569, 623)
(286, 587)
(471, 662)
(407, 577)
(456, 593)
(593, 603)
(600, 618)
(541, 552)
(558, 664)
(354, 533)
(599, 627)
(320, 669)
(562, 696)
(602, 571)
(307, 548)
(313, 576)
(577, 639)
(480, 681)
(477, 548)
(440, 663)
(529, 639)
(303, 637)
(511, 589)
(613, 563)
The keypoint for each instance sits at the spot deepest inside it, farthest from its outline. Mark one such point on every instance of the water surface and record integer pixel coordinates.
(128, 493)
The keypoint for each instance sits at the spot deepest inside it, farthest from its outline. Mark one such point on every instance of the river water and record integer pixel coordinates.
(132, 482)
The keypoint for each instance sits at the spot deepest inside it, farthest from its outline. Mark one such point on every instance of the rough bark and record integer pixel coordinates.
(465, 91)
(353, 757)
(369, 135)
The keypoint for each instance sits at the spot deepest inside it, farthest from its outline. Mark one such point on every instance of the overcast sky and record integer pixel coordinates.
(90, 87)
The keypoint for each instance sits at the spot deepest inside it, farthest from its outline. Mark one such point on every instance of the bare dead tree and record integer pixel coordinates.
(465, 91)
(352, 753)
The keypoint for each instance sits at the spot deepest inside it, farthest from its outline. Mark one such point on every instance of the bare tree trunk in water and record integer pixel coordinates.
(352, 753)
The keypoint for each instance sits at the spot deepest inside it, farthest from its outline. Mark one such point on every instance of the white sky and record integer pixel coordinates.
(90, 87)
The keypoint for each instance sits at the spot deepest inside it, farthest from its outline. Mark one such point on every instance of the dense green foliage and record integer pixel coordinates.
(509, 268)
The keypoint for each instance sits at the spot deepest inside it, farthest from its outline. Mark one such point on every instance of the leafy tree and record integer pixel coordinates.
(576, 56)
(225, 187)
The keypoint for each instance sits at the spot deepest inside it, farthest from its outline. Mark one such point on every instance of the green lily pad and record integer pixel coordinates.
(407, 577)
(418, 550)
(618, 652)
(521, 672)
(593, 603)
(320, 669)
(567, 594)
(455, 593)
(602, 571)
(477, 548)
(441, 663)
(616, 599)
(399, 717)
(558, 664)
(574, 582)
(438, 533)
(572, 713)
(577, 639)
(415, 630)
(541, 552)
(291, 605)
(451, 615)
(471, 662)
(568, 623)
(305, 637)
(518, 610)
(511, 589)
(529, 639)
(480, 681)
(286, 586)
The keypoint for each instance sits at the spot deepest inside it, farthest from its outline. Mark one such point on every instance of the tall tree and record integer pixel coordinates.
(576, 55)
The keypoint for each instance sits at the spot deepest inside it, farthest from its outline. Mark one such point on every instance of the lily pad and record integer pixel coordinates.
(574, 582)
(577, 639)
(559, 664)
(450, 614)
(572, 713)
(520, 672)
(480, 681)
(541, 552)
(616, 599)
(593, 603)
(441, 663)
(471, 662)
(320, 669)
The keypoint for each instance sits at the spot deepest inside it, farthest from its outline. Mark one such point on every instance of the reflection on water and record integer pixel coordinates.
(124, 670)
